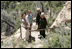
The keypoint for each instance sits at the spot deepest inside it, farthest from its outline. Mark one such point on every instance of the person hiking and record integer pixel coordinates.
(29, 19)
(42, 24)
(24, 24)
(38, 17)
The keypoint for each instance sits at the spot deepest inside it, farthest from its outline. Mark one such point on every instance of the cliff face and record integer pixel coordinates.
(64, 15)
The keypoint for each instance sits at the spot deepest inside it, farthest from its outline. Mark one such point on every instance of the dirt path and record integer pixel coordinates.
(34, 35)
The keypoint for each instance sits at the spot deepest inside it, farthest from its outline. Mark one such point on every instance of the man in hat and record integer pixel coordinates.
(42, 24)
(38, 16)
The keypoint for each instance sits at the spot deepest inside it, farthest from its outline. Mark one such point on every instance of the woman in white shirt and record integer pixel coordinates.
(24, 22)
(25, 25)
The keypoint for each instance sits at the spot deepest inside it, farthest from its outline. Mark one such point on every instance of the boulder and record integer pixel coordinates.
(10, 24)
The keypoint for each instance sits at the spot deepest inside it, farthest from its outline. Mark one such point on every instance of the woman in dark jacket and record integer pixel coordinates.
(42, 24)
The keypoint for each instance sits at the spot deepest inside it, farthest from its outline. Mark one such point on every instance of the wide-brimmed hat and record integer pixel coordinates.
(42, 13)
(38, 8)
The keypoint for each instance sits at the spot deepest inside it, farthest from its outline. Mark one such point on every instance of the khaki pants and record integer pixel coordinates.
(27, 35)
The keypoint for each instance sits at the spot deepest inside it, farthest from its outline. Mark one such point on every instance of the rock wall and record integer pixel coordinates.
(64, 15)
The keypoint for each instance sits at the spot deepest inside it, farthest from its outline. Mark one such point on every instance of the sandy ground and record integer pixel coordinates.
(34, 35)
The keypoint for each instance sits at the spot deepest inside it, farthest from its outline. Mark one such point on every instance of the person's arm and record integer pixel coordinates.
(30, 26)
(24, 24)
(36, 19)
(46, 22)
(31, 21)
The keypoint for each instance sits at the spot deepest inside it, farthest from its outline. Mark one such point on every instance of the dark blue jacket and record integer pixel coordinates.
(37, 18)
(42, 23)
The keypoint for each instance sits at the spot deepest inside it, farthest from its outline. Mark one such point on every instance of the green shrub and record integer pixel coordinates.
(53, 19)
(1, 43)
(50, 21)
(61, 38)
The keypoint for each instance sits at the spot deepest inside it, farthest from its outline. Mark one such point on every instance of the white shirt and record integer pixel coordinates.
(25, 22)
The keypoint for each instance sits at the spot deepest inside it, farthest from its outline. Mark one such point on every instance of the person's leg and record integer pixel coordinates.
(39, 31)
(43, 33)
(30, 36)
(27, 35)
(40, 34)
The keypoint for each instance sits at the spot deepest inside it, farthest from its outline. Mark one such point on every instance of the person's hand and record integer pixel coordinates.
(37, 28)
(25, 26)
(29, 27)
